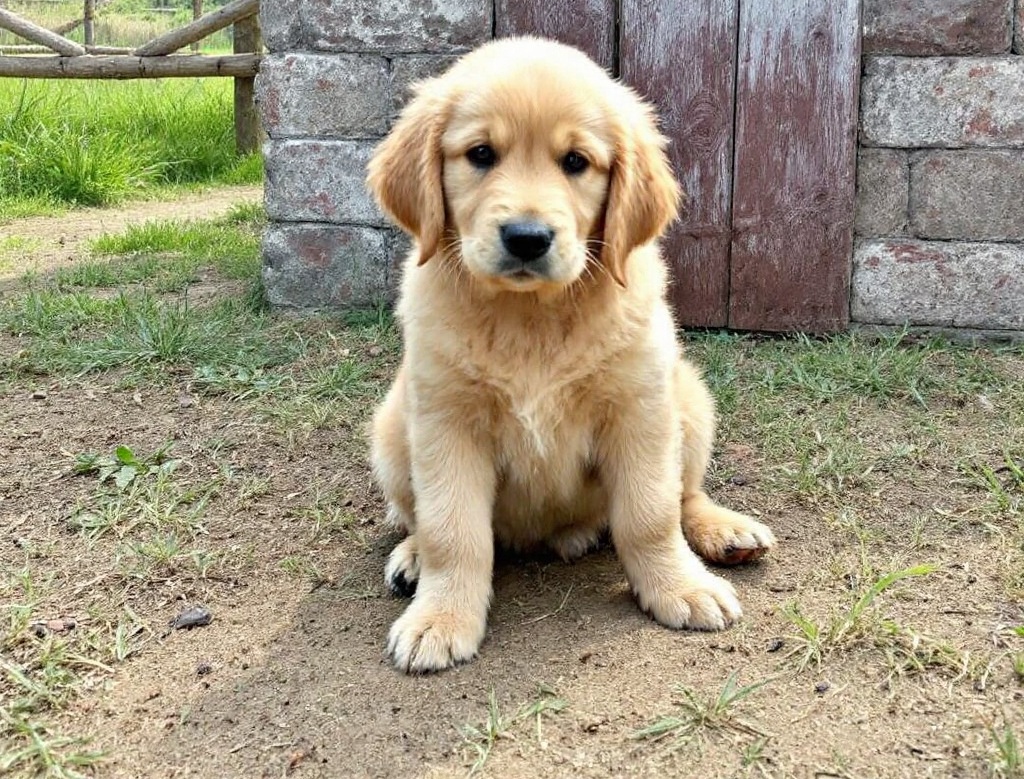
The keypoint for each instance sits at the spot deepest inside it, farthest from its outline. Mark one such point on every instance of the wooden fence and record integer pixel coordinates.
(154, 59)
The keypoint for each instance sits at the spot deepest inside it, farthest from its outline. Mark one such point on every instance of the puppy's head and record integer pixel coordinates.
(526, 162)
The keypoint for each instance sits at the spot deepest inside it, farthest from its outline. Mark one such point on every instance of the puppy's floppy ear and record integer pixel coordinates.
(404, 173)
(643, 195)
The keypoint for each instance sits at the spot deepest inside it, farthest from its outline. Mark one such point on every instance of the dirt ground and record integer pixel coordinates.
(51, 242)
(290, 679)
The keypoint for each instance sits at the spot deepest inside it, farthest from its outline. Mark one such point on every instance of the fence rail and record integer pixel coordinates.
(153, 59)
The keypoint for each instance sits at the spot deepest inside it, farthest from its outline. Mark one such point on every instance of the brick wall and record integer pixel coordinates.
(940, 198)
(940, 206)
(330, 87)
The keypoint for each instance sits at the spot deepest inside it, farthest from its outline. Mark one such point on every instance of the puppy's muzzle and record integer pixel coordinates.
(526, 243)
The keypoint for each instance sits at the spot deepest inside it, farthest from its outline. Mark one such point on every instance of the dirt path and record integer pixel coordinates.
(44, 243)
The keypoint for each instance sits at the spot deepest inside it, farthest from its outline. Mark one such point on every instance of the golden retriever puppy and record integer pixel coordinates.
(542, 398)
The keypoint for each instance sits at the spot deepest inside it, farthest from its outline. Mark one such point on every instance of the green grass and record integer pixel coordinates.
(823, 408)
(887, 369)
(168, 254)
(68, 330)
(141, 331)
(40, 674)
(69, 143)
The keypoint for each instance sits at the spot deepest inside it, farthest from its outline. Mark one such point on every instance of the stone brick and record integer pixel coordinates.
(407, 70)
(395, 26)
(978, 285)
(882, 190)
(341, 95)
(919, 27)
(281, 24)
(970, 195)
(319, 181)
(326, 266)
(943, 102)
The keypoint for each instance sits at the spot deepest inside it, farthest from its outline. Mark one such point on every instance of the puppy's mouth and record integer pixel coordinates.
(516, 270)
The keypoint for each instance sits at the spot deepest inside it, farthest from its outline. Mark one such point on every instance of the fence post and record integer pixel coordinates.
(87, 22)
(247, 122)
(197, 11)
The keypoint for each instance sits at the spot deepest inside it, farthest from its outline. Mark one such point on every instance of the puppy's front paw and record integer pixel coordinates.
(427, 638)
(702, 602)
(725, 537)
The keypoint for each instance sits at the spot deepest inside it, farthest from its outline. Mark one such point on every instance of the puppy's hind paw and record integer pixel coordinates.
(402, 571)
(573, 543)
(725, 537)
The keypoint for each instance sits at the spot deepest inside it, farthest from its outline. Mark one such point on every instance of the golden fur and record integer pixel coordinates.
(540, 407)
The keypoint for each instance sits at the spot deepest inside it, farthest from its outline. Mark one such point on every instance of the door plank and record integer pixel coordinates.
(682, 56)
(585, 24)
(793, 201)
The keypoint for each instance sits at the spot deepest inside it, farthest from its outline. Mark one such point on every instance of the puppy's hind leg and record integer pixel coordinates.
(403, 568)
(716, 533)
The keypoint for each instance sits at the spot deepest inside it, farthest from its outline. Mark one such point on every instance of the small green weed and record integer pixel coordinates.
(1009, 759)
(1004, 483)
(42, 751)
(159, 503)
(699, 716)
(301, 566)
(816, 641)
(1017, 663)
(345, 379)
(481, 739)
(124, 466)
(239, 382)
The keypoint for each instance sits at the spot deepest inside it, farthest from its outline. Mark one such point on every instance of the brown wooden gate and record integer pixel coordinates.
(760, 100)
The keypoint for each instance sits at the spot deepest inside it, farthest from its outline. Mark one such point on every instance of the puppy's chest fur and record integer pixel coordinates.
(545, 409)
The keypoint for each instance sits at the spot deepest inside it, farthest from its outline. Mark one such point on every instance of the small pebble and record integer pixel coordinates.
(775, 645)
(821, 687)
(194, 617)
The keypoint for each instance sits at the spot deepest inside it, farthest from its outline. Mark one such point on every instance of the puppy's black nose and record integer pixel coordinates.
(526, 240)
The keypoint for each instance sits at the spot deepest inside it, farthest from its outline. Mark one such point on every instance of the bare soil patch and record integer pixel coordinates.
(50, 242)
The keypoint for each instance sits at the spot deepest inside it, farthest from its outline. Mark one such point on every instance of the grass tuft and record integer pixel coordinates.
(858, 625)
(1009, 758)
(480, 740)
(699, 716)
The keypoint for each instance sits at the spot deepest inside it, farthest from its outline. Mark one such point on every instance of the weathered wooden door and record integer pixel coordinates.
(759, 98)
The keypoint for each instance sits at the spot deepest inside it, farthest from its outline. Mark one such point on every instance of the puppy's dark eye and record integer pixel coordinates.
(482, 156)
(574, 163)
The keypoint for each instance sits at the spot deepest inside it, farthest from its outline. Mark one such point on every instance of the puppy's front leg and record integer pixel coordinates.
(454, 482)
(643, 464)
